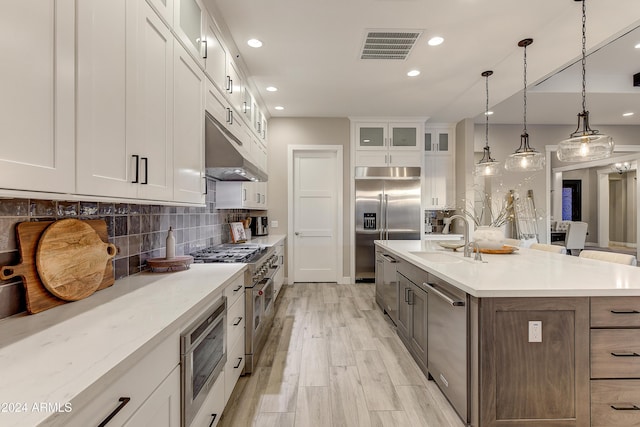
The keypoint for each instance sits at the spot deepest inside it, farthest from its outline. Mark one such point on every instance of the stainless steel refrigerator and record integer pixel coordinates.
(387, 208)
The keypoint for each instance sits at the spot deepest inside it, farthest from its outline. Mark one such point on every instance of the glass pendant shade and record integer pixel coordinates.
(487, 166)
(525, 159)
(586, 144)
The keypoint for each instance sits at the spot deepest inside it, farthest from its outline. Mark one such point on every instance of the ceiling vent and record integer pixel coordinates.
(385, 44)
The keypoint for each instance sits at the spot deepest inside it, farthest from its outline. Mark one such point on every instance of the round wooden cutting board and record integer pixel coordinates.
(71, 259)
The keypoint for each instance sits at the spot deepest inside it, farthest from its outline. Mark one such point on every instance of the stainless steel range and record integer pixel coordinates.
(262, 266)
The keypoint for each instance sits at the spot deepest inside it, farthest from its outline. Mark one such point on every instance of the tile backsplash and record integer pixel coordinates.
(139, 231)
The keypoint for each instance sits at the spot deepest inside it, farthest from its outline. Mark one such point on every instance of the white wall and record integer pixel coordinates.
(305, 131)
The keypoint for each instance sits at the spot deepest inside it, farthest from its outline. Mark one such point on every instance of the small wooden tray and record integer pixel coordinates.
(504, 250)
(162, 265)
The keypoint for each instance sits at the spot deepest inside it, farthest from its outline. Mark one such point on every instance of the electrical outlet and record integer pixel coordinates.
(535, 331)
(274, 224)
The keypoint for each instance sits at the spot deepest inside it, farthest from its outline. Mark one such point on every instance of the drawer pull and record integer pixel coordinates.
(625, 354)
(237, 322)
(239, 286)
(239, 363)
(213, 419)
(626, 408)
(123, 402)
(625, 311)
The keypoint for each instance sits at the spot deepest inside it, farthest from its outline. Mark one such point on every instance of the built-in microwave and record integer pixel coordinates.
(203, 356)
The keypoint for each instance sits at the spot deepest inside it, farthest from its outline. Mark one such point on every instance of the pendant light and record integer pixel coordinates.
(487, 166)
(585, 143)
(525, 158)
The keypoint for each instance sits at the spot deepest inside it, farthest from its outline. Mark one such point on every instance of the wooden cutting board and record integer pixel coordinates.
(37, 296)
(71, 259)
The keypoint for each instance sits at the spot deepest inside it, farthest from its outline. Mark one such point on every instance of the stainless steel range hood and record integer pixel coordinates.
(223, 161)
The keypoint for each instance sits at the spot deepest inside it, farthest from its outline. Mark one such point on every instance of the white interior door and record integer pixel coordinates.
(316, 186)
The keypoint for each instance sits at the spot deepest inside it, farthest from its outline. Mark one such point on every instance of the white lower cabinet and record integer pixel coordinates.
(153, 373)
(234, 367)
(211, 410)
(162, 408)
(278, 279)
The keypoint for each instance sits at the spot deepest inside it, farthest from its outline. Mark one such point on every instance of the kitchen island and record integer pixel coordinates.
(529, 339)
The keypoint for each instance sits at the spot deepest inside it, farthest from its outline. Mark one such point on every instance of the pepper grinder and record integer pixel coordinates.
(171, 244)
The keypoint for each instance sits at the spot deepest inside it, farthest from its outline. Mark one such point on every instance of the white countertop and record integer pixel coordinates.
(524, 273)
(55, 355)
(440, 236)
(269, 240)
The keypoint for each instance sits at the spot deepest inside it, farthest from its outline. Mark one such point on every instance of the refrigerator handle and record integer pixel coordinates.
(381, 223)
(386, 217)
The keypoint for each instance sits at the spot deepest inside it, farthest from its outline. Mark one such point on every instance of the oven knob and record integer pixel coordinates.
(260, 292)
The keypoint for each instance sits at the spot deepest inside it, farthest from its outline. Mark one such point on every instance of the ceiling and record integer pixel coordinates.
(311, 54)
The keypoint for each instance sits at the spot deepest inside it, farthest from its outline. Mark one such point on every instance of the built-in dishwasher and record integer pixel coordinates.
(448, 342)
(387, 285)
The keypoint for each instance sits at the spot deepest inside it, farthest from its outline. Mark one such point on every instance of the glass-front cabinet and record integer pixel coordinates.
(396, 143)
(371, 136)
(189, 24)
(437, 140)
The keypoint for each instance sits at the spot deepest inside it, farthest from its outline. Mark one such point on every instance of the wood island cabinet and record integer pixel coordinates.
(527, 383)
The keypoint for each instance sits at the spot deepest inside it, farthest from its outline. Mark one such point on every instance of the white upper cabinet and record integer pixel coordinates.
(388, 143)
(164, 9)
(439, 167)
(188, 128)
(215, 55)
(438, 139)
(235, 86)
(124, 118)
(104, 147)
(189, 18)
(37, 86)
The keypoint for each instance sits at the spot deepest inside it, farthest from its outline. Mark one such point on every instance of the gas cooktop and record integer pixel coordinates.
(229, 252)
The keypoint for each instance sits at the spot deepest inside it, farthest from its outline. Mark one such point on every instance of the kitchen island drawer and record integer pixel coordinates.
(615, 353)
(615, 403)
(615, 312)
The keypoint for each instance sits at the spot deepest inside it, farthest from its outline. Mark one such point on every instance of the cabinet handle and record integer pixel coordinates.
(625, 408)
(239, 363)
(390, 159)
(205, 48)
(625, 354)
(237, 322)
(123, 402)
(406, 295)
(137, 158)
(625, 312)
(244, 194)
(146, 170)
(451, 301)
(213, 419)
(228, 83)
(230, 116)
(411, 300)
(244, 107)
(237, 289)
(206, 187)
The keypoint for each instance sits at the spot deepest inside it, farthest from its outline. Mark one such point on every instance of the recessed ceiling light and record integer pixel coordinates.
(488, 113)
(637, 46)
(272, 89)
(435, 41)
(279, 107)
(628, 114)
(413, 73)
(254, 43)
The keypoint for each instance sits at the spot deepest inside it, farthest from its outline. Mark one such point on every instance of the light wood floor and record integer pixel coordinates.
(333, 360)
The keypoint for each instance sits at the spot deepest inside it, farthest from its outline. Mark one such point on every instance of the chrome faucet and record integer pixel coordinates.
(476, 248)
(467, 250)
